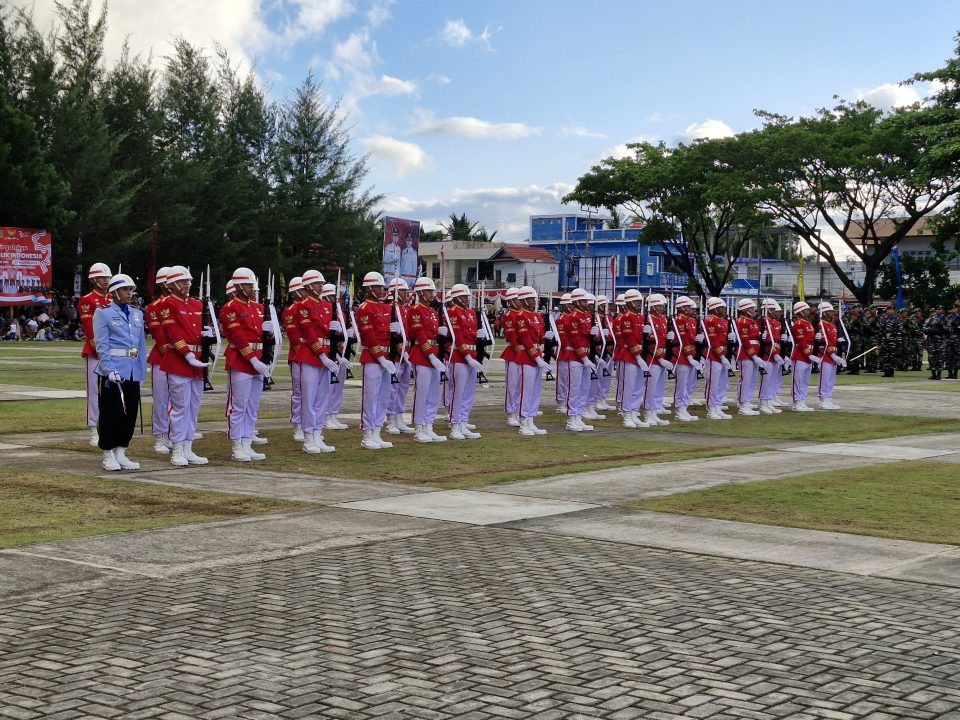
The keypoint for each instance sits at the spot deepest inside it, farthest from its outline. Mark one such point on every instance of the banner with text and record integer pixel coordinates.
(401, 249)
(26, 266)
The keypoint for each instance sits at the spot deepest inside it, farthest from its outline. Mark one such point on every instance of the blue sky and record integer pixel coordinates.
(496, 108)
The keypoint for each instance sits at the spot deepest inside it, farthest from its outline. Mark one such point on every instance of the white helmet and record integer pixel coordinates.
(328, 289)
(296, 283)
(715, 303)
(746, 304)
(398, 284)
(824, 307)
(632, 295)
(800, 306)
(511, 294)
(656, 299)
(565, 299)
(315, 276)
(99, 270)
(231, 286)
(244, 276)
(178, 272)
(120, 281)
(770, 304)
(601, 299)
(526, 293)
(580, 295)
(424, 284)
(620, 299)
(161, 274)
(373, 279)
(459, 290)
(684, 301)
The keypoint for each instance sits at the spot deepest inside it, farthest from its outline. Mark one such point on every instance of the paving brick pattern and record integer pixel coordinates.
(487, 623)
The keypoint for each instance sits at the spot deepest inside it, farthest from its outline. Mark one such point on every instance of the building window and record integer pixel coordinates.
(632, 265)
(768, 280)
(435, 271)
(511, 277)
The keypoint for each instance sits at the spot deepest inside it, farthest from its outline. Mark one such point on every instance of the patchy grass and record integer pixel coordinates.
(500, 456)
(817, 426)
(942, 386)
(41, 507)
(905, 500)
(877, 378)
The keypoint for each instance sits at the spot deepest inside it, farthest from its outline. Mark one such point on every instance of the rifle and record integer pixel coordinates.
(348, 343)
(787, 351)
(601, 351)
(483, 347)
(732, 345)
(270, 336)
(210, 337)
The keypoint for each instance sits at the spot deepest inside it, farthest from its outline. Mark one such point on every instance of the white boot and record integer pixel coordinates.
(162, 445)
(384, 445)
(391, 425)
(590, 413)
(766, 408)
(402, 425)
(745, 409)
(334, 423)
(369, 442)
(191, 456)
(238, 452)
(110, 461)
(513, 420)
(254, 455)
(126, 463)
(466, 429)
(94, 437)
(828, 404)
(715, 413)
(257, 440)
(682, 415)
(421, 435)
(315, 444)
(176, 455)
(630, 420)
(197, 436)
(774, 407)
(604, 405)
(526, 427)
(456, 433)
(298, 433)
(433, 436)
(802, 407)
(651, 419)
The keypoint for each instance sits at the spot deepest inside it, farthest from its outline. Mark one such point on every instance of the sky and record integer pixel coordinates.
(495, 108)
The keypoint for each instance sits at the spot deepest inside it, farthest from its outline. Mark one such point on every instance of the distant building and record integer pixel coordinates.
(525, 265)
(917, 244)
(778, 278)
(466, 262)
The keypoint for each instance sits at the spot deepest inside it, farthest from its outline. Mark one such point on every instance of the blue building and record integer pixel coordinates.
(601, 260)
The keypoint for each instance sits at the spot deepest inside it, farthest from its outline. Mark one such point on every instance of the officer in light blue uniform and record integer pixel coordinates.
(121, 343)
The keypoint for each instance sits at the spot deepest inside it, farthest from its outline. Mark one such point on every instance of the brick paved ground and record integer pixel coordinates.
(487, 622)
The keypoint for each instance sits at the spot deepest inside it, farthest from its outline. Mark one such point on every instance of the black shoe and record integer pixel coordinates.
(853, 372)
(886, 373)
(937, 375)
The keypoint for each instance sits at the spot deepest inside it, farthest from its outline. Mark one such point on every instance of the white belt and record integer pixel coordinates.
(255, 346)
(124, 352)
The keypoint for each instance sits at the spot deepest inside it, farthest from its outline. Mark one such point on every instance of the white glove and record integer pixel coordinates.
(258, 365)
(694, 363)
(594, 331)
(784, 338)
(336, 327)
(731, 336)
(350, 333)
(815, 359)
(838, 360)
(437, 363)
(387, 365)
(778, 360)
(483, 334)
(268, 327)
(699, 337)
(328, 363)
(404, 357)
(114, 376)
(472, 362)
(670, 335)
(344, 363)
(648, 329)
(396, 327)
(665, 364)
(544, 365)
(760, 363)
(607, 332)
(193, 362)
(443, 332)
(788, 363)
(641, 362)
(818, 336)
(208, 331)
(548, 335)
(725, 362)
(588, 363)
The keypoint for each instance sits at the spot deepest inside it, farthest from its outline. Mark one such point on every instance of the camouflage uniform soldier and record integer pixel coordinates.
(935, 330)
(854, 323)
(891, 337)
(871, 337)
(912, 341)
(952, 354)
(916, 361)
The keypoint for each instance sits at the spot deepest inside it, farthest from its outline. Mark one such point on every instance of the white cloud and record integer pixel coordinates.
(888, 96)
(379, 12)
(580, 132)
(706, 129)
(402, 156)
(473, 128)
(456, 33)
(313, 17)
(656, 118)
(504, 209)
(621, 151)
(394, 86)
(440, 79)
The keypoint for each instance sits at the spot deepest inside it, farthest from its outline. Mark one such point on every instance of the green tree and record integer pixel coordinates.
(466, 230)
(926, 280)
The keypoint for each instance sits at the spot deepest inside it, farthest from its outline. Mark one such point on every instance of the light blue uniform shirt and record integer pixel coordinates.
(124, 334)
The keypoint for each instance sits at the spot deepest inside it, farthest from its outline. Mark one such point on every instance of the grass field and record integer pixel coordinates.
(39, 507)
(906, 500)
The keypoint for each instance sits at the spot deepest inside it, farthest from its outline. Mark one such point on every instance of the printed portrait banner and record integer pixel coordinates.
(26, 266)
(401, 249)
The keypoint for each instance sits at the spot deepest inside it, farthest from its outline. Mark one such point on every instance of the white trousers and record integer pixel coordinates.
(93, 396)
(801, 380)
(336, 391)
(716, 383)
(531, 379)
(314, 396)
(376, 395)
(398, 392)
(243, 403)
(828, 378)
(295, 406)
(748, 381)
(563, 382)
(578, 383)
(426, 394)
(654, 393)
(771, 382)
(686, 385)
(160, 389)
(633, 386)
(462, 389)
(512, 391)
(186, 394)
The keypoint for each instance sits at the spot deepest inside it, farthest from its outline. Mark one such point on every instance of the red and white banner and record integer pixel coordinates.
(401, 249)
(26, 266)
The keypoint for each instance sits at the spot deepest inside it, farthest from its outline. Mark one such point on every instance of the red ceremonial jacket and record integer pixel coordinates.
(424, 326)
(154, 324)
(802, 340)
(289, 319)
(773, 329)
(509, 322)
(717, 330)
(574, 330)
(829, 332)
(658, 332)
(528, 334)
(687, 327)
(464, 323)
(749, 331)
(86, 307)
(313, 321)
(182, 322)
(629, 336)
(373, 324)
(242, 325)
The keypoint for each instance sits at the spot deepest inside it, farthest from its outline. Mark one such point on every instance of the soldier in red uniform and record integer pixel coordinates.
(242, 321)
(181, 320)
(748, 355)
(528, 334)
(511, 398)
(398, 294)
(631, 366)
(804, 358)
(317, 369)
(655, 331)
(375, 325)
(160, 424)
(427, 364)
(686, 366)
(464, 365)
(770, 331)
(292, 330)
(716, 334)
(562, 393)
(99, 276)
(575, 349)
(830, 359)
